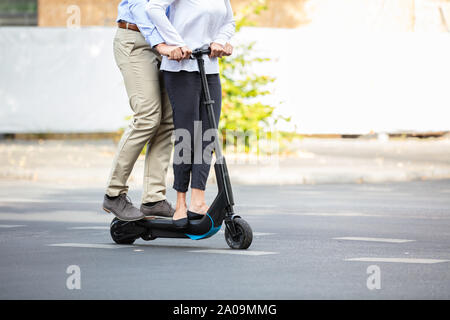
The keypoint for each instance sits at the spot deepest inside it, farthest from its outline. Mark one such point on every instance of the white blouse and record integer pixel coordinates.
(192, 23)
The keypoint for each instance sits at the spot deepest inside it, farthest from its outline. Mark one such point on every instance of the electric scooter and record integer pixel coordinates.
(238, 233)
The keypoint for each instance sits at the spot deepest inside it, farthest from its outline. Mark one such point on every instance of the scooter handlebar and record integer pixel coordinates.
(199, 52)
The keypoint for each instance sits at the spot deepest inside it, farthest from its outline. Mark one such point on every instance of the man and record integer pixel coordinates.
(137, 45)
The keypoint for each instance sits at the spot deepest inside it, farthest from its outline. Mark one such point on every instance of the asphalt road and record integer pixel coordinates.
(396, 237)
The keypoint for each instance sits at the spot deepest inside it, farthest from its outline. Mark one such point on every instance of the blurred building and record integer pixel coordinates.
(282, 13)
(384, 15)
(18, 12)
(341, 66)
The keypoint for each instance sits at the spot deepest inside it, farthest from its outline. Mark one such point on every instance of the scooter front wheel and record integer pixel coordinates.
(244, 235)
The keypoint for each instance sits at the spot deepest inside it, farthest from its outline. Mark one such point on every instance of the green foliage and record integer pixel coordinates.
(243, 18)
(18, 6)
(241, 86)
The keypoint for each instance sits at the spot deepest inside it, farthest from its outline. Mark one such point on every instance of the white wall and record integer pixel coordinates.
(358, 82)
(60, 80)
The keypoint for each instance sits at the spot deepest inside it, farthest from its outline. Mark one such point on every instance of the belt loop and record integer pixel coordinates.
(127, 25)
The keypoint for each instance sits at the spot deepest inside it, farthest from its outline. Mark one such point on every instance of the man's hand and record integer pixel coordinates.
(173, 52)
(217, 50)
(186, 52)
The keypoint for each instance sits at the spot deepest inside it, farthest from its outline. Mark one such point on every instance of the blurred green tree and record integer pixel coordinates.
(242, 86)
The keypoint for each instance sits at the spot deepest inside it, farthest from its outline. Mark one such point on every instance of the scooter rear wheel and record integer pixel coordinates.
(244, 235)
(118, 233)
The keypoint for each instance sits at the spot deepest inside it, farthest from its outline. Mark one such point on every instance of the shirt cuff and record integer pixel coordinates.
(155, 38)
(221, 41)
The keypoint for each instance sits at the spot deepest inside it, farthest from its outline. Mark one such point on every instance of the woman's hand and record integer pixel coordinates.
(228, 49)
(217, 50)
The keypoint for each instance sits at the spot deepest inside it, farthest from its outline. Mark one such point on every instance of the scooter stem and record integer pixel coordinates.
(220, 159)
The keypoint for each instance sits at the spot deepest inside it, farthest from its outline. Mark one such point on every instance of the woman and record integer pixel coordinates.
(191, 24)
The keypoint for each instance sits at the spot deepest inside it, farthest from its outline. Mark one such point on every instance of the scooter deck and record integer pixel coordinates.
(197, 229)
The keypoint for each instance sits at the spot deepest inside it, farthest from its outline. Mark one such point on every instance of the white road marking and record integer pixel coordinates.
(11, 225)
(371, 189)
(303, 192)
(255, 205)
(90, 245)
(30, 200)
(398, 260)
(402, 215)
(256, 234)
(374, 239)
(337, 214)
(90, 228)
(76, 216)
(238, 252)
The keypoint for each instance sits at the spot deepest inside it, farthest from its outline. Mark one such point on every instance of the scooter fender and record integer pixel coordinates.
(202, 228)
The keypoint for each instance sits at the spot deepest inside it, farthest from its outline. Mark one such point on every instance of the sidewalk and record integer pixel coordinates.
(314, 161)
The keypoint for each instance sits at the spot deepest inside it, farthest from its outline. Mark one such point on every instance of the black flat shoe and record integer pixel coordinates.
(181, 223)
(194, 216)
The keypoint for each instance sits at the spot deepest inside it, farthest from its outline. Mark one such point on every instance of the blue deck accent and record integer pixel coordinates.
(210, 233)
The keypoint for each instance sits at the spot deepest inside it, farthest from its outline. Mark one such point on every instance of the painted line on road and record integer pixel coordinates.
(337, 214)
(255, 206)
(12, 225)
(256, 234)
(389, 240)
(90, 228)
(260, 234)
(91, 245)
(398, 260)
(231, 251)
(368, 215)
(31, 200)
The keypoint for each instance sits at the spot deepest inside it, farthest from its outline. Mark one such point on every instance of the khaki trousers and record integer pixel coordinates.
(151, 122)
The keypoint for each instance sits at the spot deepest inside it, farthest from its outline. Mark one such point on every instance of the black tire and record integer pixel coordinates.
(118, 234)
(244, 236)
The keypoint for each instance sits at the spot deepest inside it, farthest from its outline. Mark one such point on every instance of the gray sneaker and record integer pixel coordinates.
(162, 209)
(122, 208)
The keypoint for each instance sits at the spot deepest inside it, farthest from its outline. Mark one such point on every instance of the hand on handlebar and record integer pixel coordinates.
(219, 51)
(174, 52)
(228, 49)
(186, 52)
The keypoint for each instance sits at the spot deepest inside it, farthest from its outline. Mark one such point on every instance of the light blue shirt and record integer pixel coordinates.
(133, 11)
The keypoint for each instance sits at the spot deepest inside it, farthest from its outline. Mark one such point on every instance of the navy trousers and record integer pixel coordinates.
(193, 141)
